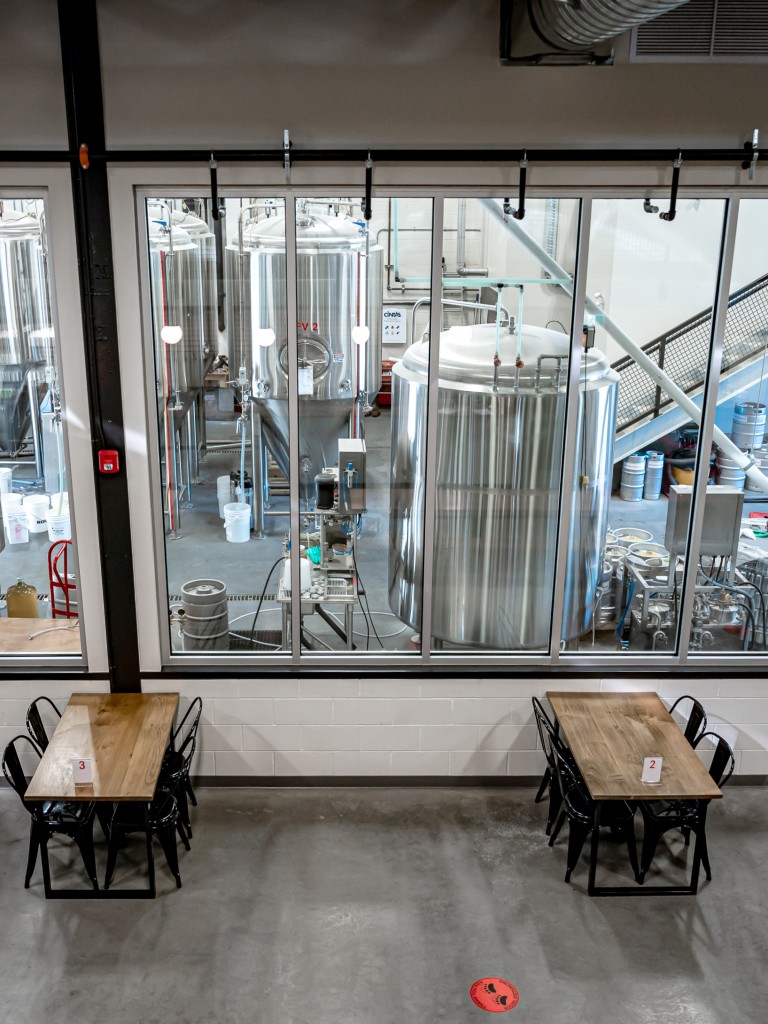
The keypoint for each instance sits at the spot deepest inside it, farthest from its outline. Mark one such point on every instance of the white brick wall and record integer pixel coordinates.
(400, 727)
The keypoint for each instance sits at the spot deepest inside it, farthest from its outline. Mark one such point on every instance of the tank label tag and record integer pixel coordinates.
(306, 385)
(338, 357)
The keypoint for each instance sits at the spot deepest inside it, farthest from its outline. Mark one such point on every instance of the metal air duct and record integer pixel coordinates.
(579, 24)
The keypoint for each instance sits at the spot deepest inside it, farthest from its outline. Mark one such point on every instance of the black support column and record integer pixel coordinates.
(85, 124)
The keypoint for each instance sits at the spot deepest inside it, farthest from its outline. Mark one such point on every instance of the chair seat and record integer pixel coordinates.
(671, 810)
(63, 812)
(611, 811)
(162, 811)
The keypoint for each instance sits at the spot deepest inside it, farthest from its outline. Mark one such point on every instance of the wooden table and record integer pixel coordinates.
(15, 634)
(609, 735)
(125, 735)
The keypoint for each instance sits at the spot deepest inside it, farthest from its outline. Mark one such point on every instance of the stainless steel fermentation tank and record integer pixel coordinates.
(26, 331)
(183, 281)
(498, 486)
(182, 255)
(339, 286)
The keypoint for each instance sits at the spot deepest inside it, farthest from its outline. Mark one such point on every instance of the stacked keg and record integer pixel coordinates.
(205, 618)
(748, 433)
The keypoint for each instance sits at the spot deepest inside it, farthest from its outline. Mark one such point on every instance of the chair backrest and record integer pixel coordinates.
(12, 767)
(697, 719)
(723, 762)
(194, 711)
(568, 776)
(35, 725)
(546, 730)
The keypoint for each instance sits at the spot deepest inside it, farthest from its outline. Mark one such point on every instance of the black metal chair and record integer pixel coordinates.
(35, 726)
(696, 723)
(174, 777)
(579, 808)
(173, 771)
(163, 821)
(661, 816)
(548, 737)
(57, 817)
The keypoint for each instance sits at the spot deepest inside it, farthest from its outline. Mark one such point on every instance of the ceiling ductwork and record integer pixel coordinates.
(571, 31)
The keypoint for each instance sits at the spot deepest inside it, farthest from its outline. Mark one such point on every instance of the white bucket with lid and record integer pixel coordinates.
(6, 480)
(10, 502)
(60, 502)
(36, 507)
(237, 522)
(16, 530)
(59, 527)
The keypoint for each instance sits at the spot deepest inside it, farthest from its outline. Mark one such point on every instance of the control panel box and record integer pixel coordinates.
(351, 475)
(722, 520)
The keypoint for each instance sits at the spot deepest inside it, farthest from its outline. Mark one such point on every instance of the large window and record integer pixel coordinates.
(38, 561)
(329, 445)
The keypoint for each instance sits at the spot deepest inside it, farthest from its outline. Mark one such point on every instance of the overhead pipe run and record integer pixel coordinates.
(575, 25)
(658, 376)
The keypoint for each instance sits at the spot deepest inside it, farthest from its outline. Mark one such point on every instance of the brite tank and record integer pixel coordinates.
(26, 332)
(337, 287)
(498, 485)
(205, 240)
(177, 300)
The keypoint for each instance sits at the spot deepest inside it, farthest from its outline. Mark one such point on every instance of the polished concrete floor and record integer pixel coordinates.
(360, 906)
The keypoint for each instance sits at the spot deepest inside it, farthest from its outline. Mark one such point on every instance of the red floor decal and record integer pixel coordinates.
(494, 995)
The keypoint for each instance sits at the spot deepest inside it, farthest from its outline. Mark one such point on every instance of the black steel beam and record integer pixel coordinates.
(476, 156)
(85, 126)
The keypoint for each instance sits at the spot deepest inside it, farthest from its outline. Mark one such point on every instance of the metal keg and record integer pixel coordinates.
(654, 472)
(632, 478)
(206, 616)
(760, 455)
(748, 425)
(729, 472)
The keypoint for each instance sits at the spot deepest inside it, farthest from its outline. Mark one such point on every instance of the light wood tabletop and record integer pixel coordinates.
(125, 735)
(60, 637)
(610, 734)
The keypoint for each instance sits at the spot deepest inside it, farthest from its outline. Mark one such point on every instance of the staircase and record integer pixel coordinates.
(645, 413)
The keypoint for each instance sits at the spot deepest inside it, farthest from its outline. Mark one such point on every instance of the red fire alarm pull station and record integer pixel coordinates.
(108, 462)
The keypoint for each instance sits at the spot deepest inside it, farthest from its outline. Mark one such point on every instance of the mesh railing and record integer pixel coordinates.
(683, 354)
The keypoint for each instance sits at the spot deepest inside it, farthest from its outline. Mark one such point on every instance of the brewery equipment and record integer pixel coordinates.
(500, 436)
(339, 293)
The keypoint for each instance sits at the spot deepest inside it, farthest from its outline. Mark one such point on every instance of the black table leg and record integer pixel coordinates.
(593, 849)
(150, 857)
(44, 854)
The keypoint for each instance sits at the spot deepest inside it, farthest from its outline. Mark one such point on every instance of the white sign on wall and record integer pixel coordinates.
(394, 327)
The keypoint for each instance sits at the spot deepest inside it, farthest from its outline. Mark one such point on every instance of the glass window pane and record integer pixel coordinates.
(504, 349)
(361, 449)
(219, 319)
(38, 561)
(650, 289)
(732, 577)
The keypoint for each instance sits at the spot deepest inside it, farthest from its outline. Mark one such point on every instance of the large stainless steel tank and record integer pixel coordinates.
(498, 485)
(334, 278)
(177, 300)
(26, 330)
(205, 240)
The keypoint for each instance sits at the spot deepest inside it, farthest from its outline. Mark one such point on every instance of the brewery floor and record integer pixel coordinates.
(383, 906)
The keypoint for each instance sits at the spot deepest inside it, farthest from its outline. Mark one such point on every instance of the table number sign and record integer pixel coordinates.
(82, 770)
(651, 770)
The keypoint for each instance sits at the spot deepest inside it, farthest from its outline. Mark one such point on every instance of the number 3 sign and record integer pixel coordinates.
(82, 770)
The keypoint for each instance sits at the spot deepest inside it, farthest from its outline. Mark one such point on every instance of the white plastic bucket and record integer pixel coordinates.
(16, 531)
(305, 574)
(59, 527)
(10, 503)
(237, 522)
(223, 492)
(6, 480)
(36, 507)
(60, 497)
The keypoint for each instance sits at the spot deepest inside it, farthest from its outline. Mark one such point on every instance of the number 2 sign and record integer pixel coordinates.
(651, 770)
(82, 770)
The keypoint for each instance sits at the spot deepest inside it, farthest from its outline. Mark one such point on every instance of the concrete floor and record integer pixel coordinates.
(359, 906)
